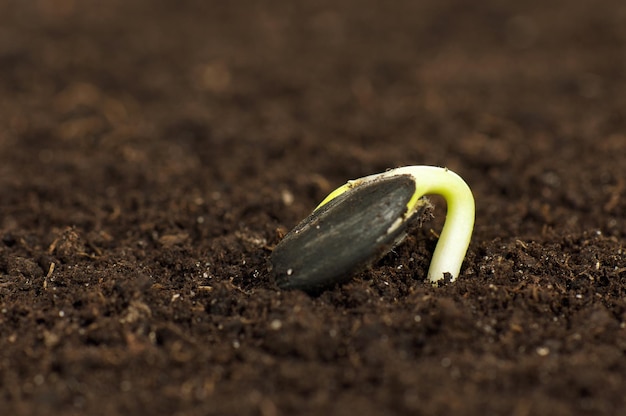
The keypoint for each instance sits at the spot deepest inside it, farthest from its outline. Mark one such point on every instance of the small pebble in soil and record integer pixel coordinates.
(543, 351)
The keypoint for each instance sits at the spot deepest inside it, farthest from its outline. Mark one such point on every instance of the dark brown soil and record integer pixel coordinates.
(153, 152)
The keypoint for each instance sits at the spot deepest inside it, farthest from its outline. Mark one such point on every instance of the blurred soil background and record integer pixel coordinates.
(153, 152)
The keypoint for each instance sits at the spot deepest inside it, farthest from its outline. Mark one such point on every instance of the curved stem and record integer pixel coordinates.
(457, 229)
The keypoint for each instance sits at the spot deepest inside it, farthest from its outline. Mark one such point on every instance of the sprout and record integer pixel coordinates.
(362, 220)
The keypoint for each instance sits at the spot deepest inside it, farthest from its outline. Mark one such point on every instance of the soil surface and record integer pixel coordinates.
(152, 153)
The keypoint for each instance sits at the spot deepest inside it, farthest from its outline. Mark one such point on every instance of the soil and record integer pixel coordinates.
(152, 153)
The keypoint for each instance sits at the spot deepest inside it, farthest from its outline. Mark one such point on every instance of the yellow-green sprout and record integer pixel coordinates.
(365, 218)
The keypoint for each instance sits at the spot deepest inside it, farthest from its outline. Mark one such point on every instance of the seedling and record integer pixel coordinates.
(362, 220)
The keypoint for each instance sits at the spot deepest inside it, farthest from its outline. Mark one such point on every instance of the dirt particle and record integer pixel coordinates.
(543, 351)
(276, 324)
(24, 267)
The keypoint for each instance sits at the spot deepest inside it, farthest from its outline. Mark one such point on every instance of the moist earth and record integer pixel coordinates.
(152, 154)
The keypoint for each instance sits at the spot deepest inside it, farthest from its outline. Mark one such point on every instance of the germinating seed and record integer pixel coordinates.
(344, 235)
